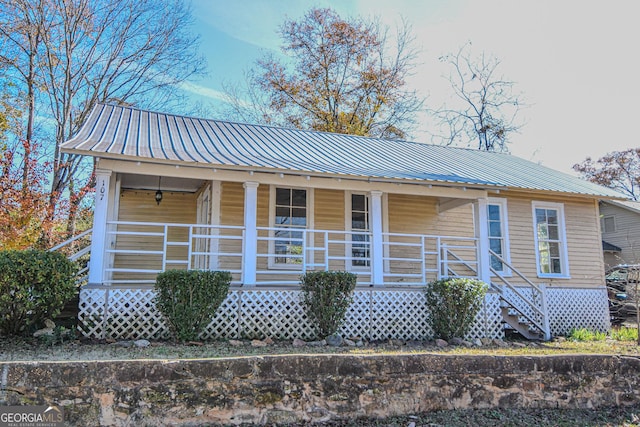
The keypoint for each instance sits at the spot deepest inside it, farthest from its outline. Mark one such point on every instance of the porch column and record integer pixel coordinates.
(377, 251)
(99, 233)
(482, 234)
(250, 246)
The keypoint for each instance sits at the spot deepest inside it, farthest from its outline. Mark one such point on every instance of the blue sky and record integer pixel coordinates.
(576, 62)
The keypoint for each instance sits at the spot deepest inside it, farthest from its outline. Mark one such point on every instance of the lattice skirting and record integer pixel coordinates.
(374, 315)
(578, 308)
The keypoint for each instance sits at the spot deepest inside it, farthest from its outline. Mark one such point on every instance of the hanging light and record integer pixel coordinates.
(158, 193)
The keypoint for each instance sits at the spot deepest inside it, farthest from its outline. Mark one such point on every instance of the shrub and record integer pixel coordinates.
(188, 299)
(326, 296)
(34, 286)
(453, 305)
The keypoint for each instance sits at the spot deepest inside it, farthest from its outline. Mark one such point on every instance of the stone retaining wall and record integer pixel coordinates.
(292, 388)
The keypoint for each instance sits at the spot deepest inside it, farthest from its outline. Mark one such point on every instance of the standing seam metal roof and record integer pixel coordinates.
(128, 133)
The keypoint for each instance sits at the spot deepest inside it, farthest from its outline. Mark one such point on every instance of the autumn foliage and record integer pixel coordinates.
(619, 170)
(341, 76)
(24, 216)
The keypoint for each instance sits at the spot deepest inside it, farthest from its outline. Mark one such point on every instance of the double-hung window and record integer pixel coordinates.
(498, 235)
(360, 241)
(550, 239)
(290, 221)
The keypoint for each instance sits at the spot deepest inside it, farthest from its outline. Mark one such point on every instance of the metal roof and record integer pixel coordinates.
(127, 133)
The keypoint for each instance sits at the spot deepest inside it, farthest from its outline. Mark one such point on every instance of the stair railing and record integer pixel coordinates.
(537, 304)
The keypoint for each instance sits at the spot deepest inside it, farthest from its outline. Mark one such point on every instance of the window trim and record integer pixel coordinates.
(504, 225)
(562, 234)
(348, 209)
(604, 228)
(271, 255)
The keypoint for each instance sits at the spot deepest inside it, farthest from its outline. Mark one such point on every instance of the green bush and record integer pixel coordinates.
(326, 296)
(453, 304)
(34, 286)
(188, 299)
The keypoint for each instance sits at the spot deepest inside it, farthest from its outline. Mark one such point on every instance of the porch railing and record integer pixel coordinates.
(532, 308)
(137, 251)
(77, 248)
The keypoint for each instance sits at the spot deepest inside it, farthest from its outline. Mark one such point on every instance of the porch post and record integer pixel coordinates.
(377, 251)
(482, 234)
(250, 233)
(99, 233)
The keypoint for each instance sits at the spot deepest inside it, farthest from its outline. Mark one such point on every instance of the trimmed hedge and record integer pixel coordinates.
(326, 296)
(34, 286)
(188, 299)
(453, 305)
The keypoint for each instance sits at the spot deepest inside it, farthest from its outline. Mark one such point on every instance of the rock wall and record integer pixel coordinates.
(280, 389)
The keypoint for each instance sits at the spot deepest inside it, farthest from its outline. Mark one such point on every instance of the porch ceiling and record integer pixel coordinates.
(167, 183)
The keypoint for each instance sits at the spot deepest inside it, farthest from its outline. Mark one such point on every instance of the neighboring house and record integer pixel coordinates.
(269, 203)
(620, 225)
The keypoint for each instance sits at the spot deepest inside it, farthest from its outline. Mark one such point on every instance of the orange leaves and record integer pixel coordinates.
(619, 170)
(338, 78)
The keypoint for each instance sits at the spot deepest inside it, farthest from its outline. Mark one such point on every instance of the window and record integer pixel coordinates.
(609, 224)
(290, 223)
(360, 246)
(498, 234)
(551, 253)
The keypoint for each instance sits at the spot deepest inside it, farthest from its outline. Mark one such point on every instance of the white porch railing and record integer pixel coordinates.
(137, 251)
(76, 248)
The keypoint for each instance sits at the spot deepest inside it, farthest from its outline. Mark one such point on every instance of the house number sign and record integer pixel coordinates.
(102, 190)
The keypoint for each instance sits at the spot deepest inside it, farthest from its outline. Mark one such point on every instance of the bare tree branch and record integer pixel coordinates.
(484, 109)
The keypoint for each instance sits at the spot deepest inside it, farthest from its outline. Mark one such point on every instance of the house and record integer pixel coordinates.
(268, 204)
(620, 225)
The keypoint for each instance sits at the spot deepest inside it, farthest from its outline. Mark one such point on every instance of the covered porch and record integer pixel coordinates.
(268, 234)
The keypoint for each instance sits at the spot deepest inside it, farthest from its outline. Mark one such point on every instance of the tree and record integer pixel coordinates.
(484, 109)
(78, 53)
(23, 205)
(618, 170)
(338, 77)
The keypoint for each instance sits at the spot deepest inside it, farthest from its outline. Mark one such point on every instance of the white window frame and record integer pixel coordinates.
(604, 220)
(271, 263)
(504, 225)
(562, 234)
(348, 209)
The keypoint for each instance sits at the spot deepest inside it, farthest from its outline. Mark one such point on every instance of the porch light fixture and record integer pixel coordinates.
(159, 192)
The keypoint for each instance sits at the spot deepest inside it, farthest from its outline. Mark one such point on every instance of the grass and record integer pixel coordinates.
(621, 341)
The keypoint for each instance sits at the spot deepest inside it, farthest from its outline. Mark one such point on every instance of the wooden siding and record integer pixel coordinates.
(626, 235)
(406, 215)
(140, 206)
(583, 241)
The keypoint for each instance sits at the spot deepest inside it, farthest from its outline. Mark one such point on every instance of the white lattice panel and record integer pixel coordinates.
(224, 324)
(132, 314)
(91, 309)
(357, 322)
(488, 322)
(373, 315)
(399, 315)
(578, 308)
(273, 313)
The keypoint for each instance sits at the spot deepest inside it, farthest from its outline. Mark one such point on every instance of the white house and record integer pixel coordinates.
(269, 204)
